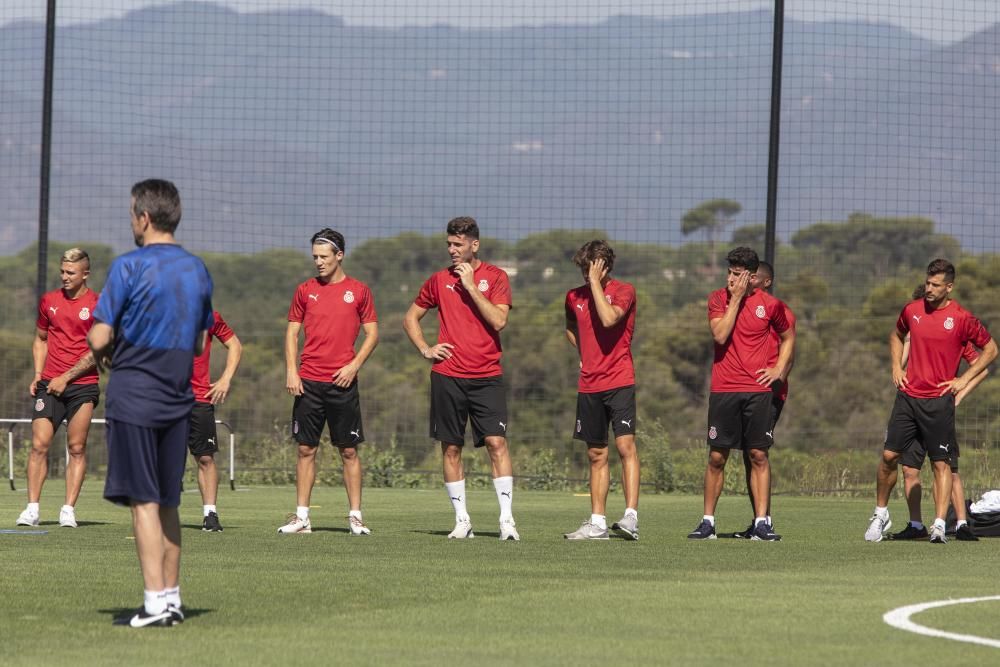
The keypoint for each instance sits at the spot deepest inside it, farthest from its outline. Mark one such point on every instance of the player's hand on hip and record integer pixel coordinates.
(57, 385)
(952, 386)
(218, 391)
(899, 379)
(439, 352)
(767, 376)
(345, 376)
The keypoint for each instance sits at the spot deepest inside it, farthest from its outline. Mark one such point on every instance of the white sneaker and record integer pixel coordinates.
(358, 526)
(937, 535)
(463, 529)
(67, 518)
(508, 530)
(587, 531)
(294, 524)
(27, 519)
(878, 528)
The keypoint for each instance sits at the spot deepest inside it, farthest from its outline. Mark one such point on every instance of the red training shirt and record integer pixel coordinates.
(773, 359)
(67, 322)
(748, 348)
(332, 315)
(477, 345)
(605, 353)
(937, 339)
(200, 383)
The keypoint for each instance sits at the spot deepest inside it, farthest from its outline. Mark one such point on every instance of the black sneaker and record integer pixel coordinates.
(176, 613)
(911, 533)
(140, 619)
(965, 534)
(704, 531)
(744, 534)
(211, 523)
(764, 532)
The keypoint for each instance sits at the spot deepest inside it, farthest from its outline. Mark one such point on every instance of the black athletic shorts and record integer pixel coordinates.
(915, 454)
(326, 403)
(146, 465)
(203, 440)
(740, 420)
(594, 411)
(777, 405)
(63, 407)
(456, 401)
(928, 423)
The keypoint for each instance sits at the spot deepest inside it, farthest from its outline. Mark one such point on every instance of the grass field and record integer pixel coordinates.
(407, 595)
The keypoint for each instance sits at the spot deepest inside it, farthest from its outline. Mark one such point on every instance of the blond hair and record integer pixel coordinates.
(76, 255)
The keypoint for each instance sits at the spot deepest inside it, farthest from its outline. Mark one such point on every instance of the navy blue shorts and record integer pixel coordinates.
(146, 465)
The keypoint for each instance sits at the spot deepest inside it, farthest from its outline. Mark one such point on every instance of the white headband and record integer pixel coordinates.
(320, 239)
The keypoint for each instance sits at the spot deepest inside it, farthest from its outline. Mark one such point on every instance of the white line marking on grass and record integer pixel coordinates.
(900, 618)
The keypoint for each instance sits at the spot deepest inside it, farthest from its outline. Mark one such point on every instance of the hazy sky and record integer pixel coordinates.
(940, 20)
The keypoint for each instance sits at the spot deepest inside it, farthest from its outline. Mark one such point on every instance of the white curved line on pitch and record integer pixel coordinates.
(900, 618)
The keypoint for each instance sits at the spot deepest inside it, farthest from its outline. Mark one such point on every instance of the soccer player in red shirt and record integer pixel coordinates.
(332, 308)
(203, 439)
(762, 280)
(473, 300)
(600, 321)
(65, 383)
(924, 410)
(741, 319)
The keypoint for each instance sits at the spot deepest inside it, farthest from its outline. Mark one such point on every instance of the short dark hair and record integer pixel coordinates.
(768, 269)
(327, 235)
(593, 250)
(942, 266)
(463, 226)
(159, 199)
(920, 291)
(743, 257)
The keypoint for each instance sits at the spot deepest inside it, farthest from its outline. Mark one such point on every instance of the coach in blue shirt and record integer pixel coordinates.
(150, 322)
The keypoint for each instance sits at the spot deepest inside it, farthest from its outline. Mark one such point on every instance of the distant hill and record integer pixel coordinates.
(276, 124)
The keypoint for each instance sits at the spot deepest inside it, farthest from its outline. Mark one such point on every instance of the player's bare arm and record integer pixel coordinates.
(958, 384)
(608, 314)
(494, 314)
(411, 325)
(293, 383)
(973, 383)
(58, 384)
(896, 340)
(101, 341)
(786, 349)
(218, 390)
(722, 327)
(39, 352)
(345, 376)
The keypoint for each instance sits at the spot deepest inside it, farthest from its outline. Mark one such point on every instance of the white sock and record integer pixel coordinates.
(709, 518)
(599, 520)
(302, 512)
(759, 520)
(505, 495)
(67, 508)
(456, 491)
(939, 523)
(919, 525)
(173, 596)
(633, 512)
(881, 512)
(960, 523)
(33, 509)
(155, 602)
(769, 522)
(205, 509)
(355, 513)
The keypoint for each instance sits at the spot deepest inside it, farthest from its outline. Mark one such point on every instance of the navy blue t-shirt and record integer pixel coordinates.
(158, 299)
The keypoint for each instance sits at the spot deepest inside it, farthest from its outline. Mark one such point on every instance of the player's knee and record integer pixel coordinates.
(758, 457)
(348, 454)
(911, 475)
(307, 452)
(597, 455)
(717, 460)
(205, 461)
(890, 458)
(76, 449)
(39, 447)
(496, 444)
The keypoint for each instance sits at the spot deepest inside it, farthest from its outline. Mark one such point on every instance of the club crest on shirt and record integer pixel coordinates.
(761, 312)
(712, 433)
(348, 296)
(39, 405)
(85, 314)
(483, 285)
(949, 323)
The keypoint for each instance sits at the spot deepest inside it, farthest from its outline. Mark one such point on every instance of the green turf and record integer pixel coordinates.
(407, 595)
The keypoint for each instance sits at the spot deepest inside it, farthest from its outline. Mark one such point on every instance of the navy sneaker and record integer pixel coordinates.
(704, 531)
(140, 619)
(911, 533)
(764, 532)
(744, 534)
(176, 613)
(211, 523)
(965, 534)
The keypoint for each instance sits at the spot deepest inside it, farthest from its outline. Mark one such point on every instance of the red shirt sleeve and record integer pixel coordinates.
(902, 325)
(778, 319)
(427, 298)
(716, 304)
(297, 311)
(220, 329)
(366, 306)
(43, 315)
(624, 298)
(970, 354)
(976, 333)
(501, 295)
